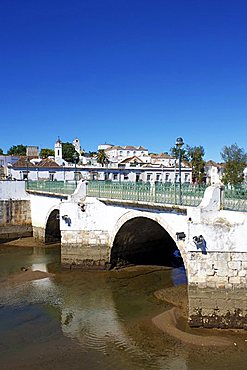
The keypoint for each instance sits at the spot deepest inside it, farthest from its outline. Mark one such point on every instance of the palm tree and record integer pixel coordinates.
(102, 157)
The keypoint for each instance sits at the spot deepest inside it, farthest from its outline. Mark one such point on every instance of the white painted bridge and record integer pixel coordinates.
(98, 229)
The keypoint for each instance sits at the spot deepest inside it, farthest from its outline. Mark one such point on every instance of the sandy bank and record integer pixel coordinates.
(28, 242)
(177, 296)
(25, 276)
(167, 322)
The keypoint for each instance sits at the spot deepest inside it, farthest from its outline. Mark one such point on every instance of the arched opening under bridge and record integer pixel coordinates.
(52, 231)
(143, 241)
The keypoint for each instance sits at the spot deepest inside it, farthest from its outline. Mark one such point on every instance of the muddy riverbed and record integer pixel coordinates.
(133, 318)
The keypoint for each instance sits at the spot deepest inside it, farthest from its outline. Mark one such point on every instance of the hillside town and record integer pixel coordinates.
(120, 163)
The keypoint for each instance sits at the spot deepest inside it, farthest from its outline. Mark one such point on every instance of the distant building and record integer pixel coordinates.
(58, 152)
(213, 172)
(104, 146)
(76, 143)
(164, 159)
(6, 163)
(32, 151)
(126, 163)
(118, 153)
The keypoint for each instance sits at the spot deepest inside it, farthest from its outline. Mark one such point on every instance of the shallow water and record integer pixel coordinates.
(93, 320)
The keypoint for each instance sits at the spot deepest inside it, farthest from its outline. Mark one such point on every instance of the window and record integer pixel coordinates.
(115, 176)
(149, 177)
(157, 176)
(167, 177)
(126, 176)
(187, 177)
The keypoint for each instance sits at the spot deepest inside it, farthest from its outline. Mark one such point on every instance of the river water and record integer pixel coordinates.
(93, 320)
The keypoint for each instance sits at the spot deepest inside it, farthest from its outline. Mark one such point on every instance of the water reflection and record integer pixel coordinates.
(39, 267)
(179, 276)
(100, 311)
(106, 314)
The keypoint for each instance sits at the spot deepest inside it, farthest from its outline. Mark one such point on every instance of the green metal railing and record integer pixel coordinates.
(54, 187)
(165, 193)
(235, 199)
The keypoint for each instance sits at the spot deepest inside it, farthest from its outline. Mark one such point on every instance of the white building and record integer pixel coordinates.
(58, 152)
(118, 153)
(213, 172)
(163, 159)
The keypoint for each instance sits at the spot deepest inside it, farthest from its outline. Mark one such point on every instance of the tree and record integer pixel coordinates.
(68, 151)
(17, 150)
(174, 151)
(195, 156)
(1, 151)
(235, 160)
(102, 157)
(45, 152)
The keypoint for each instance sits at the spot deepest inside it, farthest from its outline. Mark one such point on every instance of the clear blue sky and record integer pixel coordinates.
(126, 72)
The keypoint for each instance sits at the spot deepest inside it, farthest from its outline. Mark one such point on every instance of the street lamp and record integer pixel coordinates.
(75, 159)
(179, 144)
(27, 159)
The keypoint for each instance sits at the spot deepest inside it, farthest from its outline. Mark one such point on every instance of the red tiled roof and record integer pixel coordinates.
(23, 162)
(127, 147)
(47, 162)
(133, 159)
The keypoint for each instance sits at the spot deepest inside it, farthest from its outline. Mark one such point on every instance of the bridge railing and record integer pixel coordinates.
(235, 199)
(54, 187)
(165, 193)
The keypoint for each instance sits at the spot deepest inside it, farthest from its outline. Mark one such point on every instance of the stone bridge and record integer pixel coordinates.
(99, 232)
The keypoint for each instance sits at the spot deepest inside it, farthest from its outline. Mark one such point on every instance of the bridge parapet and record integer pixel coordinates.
(165, 193)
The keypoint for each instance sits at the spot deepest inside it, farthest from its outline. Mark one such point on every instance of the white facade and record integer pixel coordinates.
(112, 173)
(104, 146)
(76, 143)
(213, 173)
(119, 153)
(58, 152)
(163, 159)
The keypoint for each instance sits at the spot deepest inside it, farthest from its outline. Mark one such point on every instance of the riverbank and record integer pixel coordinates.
(27, 242)
(174, 321)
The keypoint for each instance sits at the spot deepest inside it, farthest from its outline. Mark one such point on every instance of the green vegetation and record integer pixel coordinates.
(195, 155)
(68, 151)
(102, 157)
(174, 151)
(235, 160)
(45, 153)
(17, 150)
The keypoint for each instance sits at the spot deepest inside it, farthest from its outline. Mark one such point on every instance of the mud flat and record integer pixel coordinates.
(170, 321)
(25, 276)
(28, 242)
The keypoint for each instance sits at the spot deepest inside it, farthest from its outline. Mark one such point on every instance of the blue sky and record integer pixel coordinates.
(126, 72)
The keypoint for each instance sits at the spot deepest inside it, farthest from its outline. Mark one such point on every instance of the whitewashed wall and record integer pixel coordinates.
(13, 190)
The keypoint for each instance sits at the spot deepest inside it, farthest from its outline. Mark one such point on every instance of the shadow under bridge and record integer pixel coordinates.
(52, 230)
(143, 241)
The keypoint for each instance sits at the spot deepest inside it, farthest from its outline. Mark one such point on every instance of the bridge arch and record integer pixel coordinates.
(145, 238)
(52, 226)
